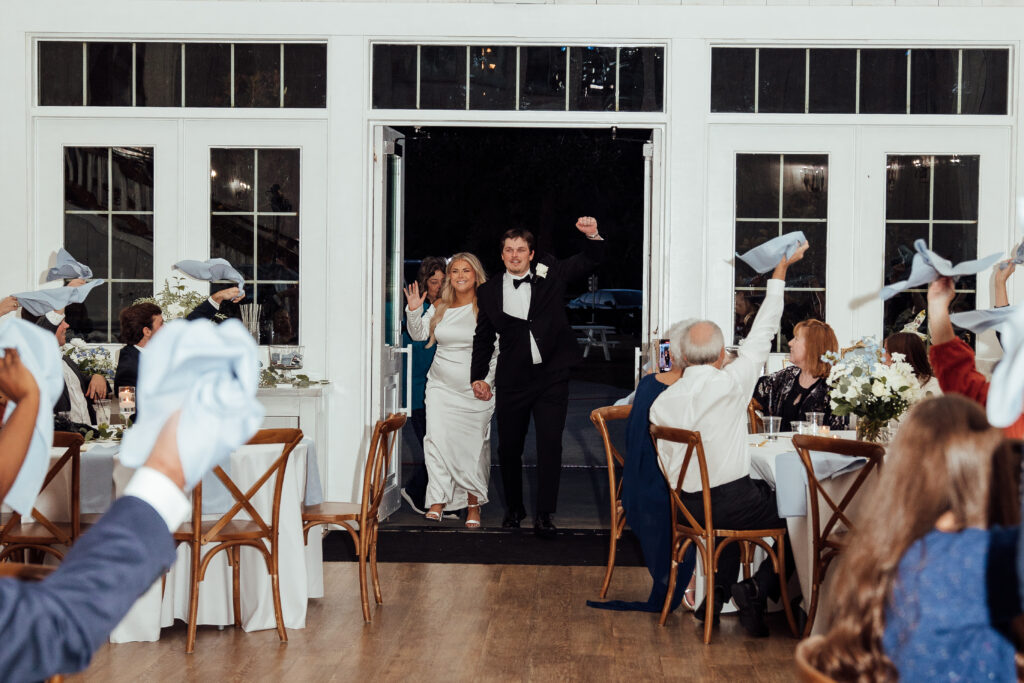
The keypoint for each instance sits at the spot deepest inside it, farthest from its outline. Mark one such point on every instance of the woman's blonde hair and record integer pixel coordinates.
(447, 298)
(818, 338)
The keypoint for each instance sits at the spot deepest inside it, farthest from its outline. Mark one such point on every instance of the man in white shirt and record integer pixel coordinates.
(711, 398)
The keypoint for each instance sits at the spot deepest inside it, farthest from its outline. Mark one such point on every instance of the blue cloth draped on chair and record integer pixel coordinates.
(645, 498)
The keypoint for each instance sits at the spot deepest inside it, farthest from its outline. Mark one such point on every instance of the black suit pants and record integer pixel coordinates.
(546, 398)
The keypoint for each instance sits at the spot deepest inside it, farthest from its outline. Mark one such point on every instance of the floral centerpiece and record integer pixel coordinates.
(175, 300)
(860, 383)
(92, 360)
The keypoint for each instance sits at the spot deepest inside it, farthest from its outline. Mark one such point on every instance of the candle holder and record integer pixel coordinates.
(126, 403)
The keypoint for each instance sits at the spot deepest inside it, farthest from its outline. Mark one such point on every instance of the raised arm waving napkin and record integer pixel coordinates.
(68, 267)
(42, 301)
(214, 269)
(207, 371)
(40, 355)
(765, 257)
(928, 266)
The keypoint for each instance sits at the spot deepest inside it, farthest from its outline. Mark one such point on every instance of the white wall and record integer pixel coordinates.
(694, 230)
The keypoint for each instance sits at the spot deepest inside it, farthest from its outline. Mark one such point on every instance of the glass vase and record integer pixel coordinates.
(875, 431)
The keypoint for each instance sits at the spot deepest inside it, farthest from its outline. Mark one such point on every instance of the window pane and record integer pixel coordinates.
(231, 238)
(956, 188)
(593, 78)
(232, 177)
(899, 248)
(279, 317)
(442, 77)
(781, 74)
(158, 74)
(109, 67)
(132, 177)
(642, 79)
(907, 186)
(86, 183)
(394, 76)
(799, 306)
(957, 242)
(833, 86)
(883, 81)
(88, 321)
(492, 78)
(85, 236)
(903, 308)
(933, 77)
(984, 82)
(805, 186)
(278, 248)
(132, 244)
(305, 75)
(123, 295)
(60, 73)
(542, 78)
(810, 270)
(208, 75)
(757, 185)
(257, 75)
(278, 180)
(732, 79)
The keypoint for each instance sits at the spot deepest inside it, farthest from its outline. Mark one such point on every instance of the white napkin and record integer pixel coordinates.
(980, 321)
(68, 267)
(765, 257)
(210, 373)
(928, 266)
(1006, 392)
(42, 301)
(214, 269)
(39, 353)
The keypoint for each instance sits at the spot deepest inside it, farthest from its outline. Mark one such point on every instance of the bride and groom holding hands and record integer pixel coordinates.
(504, 346)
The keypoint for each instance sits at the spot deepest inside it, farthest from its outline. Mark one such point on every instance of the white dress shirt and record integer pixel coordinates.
(162, 494)
(516, 302)
(714, 403)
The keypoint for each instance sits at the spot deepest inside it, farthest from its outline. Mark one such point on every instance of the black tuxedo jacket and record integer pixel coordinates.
(546, 320)
(127, 373)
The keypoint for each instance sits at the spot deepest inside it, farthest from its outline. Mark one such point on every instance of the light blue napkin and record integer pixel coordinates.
(980, 321)
(791, 478)
(765, 257)
(1018, 257)
(68, 267)
(928, 266)
(210, 373)
(1006, 391)
(42, 301)
(214, 269)
(39, 353)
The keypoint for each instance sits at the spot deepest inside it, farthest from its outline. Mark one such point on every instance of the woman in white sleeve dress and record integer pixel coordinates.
(458, 424)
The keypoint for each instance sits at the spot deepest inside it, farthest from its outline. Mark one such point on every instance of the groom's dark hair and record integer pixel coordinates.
(518, 233)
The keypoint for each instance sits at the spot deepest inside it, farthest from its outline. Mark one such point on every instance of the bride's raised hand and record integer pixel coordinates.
(413, 298)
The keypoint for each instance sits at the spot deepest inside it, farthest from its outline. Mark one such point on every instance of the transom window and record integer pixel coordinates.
(778, 194)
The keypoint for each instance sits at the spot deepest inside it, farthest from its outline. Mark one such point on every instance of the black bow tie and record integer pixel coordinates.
(525, 279)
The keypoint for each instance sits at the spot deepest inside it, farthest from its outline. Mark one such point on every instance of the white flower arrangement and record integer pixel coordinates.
(862, 384)
(175, 301)
(92, 360)
(541, 270)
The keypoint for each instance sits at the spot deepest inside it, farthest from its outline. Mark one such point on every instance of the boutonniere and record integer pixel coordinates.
(542, 270)
(219, 318)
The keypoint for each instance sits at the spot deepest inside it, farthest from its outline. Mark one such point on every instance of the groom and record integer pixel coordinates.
(525, 307)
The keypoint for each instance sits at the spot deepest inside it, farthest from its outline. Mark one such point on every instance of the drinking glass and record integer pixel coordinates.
(815, 419)
(772, 426)
(126, 402)
(802, 427)
(102, 408)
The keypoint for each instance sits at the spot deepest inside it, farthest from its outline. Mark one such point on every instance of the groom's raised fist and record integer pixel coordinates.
(587, 225)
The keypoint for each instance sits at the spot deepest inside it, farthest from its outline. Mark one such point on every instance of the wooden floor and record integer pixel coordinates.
(446, 622)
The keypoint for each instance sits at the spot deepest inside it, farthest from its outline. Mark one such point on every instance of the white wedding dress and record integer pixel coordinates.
(456, 447)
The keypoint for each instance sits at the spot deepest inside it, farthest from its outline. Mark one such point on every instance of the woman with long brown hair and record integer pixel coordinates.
(914, 352)
(926, 587)
(458, 424)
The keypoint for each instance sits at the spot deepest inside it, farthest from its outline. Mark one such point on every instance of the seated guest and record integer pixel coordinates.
(712, 399)
(799, 389)
(211, 308)
(80, 390)
(951, 358)
(927, 586)
(914, 353)
(138, 325)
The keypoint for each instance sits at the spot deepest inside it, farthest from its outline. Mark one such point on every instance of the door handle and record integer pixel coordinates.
(406, 407)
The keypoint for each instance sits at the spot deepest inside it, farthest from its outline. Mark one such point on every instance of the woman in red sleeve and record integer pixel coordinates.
(952, 359)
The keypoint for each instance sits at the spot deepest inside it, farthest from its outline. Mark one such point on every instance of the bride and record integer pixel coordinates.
(458, 424)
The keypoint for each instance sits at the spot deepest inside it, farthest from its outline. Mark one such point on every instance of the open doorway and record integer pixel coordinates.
(463, 187)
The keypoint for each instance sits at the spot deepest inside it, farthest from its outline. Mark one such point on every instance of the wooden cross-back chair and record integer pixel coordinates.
(755, 425)
(829, 521)
(601, 417)
(709, 540)
(229, 534)
(360, 519)
(43, 534)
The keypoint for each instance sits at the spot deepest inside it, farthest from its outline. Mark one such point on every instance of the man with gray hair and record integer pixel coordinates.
(711, 398)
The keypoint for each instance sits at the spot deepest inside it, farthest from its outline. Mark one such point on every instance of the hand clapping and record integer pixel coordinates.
(413, 298)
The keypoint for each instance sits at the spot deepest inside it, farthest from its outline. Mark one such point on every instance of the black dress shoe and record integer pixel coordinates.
(701, 610)
(513, 516)
(543, 526)
(753, 606)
